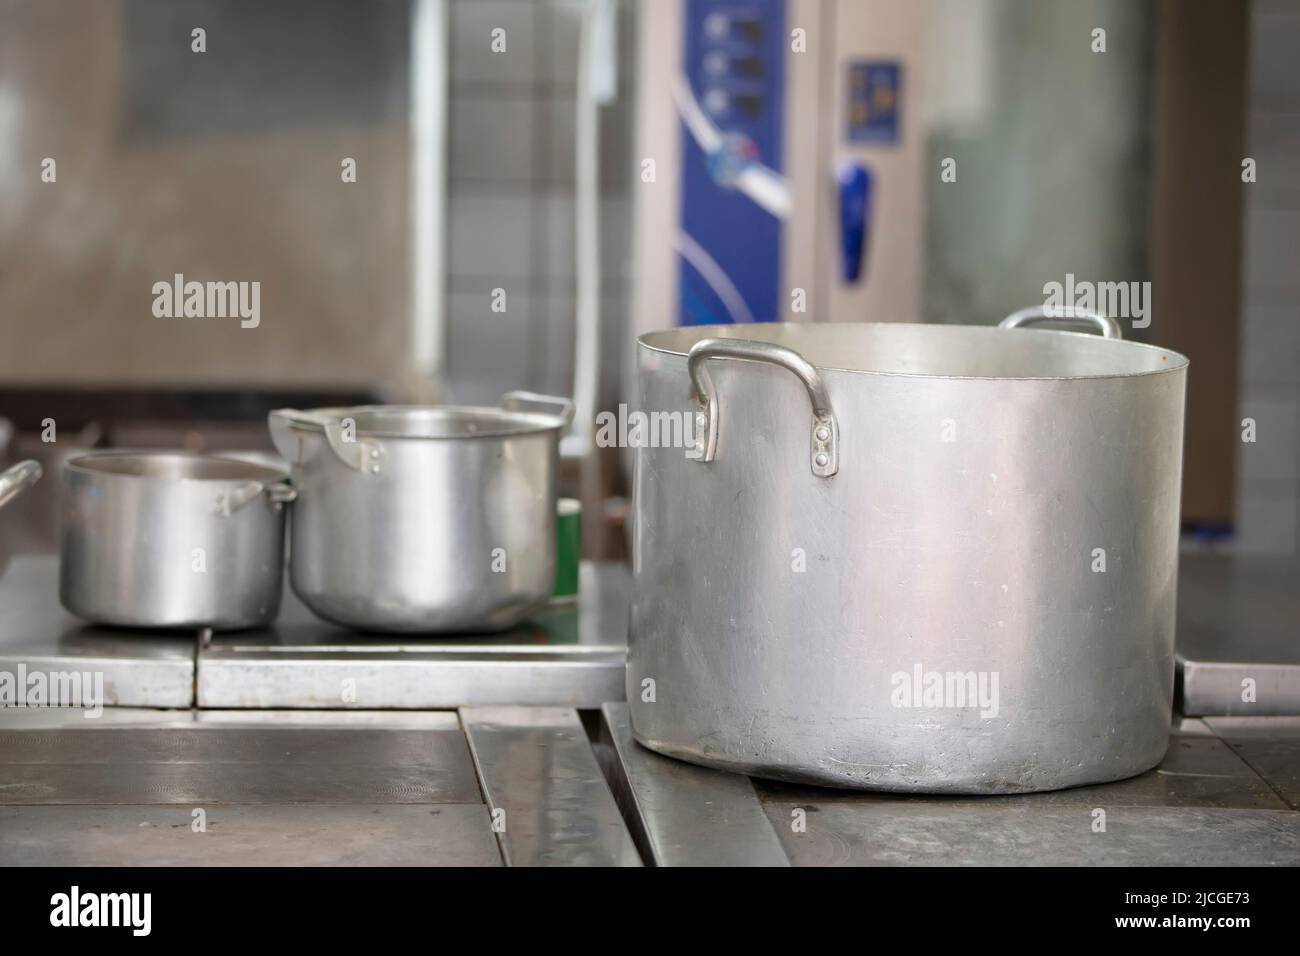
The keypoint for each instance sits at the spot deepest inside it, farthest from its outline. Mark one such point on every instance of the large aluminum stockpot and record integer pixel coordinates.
(908, 557)
(172, 539)
(424, 518)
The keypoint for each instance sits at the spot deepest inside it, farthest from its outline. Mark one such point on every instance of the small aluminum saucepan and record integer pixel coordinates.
(172, 539)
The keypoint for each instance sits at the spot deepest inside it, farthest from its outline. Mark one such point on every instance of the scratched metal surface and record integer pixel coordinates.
(408, 788)
(234, 765)
(997, 833)
(1270, 745)
(1215, 799)
(321, 835)
(1204, 805)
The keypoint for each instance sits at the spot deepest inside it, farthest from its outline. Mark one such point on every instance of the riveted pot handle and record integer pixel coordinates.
(1108, 327)
(824, 458)
(563, 407)
(357, 453)
(17, 479)
(278, 492)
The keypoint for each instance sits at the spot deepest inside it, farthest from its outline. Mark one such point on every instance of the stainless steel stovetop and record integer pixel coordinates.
(549, 786)
(515, 749)
(570, 655)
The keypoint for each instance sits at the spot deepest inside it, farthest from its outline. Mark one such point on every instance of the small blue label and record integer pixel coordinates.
(874, 100)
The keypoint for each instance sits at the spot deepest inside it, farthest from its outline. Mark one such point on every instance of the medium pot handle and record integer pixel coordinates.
(356, 453)
(278, 492)
(514, 401)
(1108, 327)
(17, 479)
(824, 457)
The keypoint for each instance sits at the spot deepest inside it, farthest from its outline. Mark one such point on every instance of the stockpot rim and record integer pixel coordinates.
(1180, 363)
(239, 470)
(517, 423)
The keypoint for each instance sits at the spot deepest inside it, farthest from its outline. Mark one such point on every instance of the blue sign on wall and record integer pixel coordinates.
(874, 96)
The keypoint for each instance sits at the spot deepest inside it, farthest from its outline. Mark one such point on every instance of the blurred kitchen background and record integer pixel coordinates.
(553, 156)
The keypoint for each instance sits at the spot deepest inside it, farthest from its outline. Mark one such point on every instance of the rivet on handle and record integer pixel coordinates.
(825, 447)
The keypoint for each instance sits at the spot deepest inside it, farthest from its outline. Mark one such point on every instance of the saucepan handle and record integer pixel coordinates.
(824, 455)
(357, 453)
(1108, 327)
(562, 407)
(17, 479)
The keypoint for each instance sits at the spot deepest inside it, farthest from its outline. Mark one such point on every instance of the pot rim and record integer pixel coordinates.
(516, 423)
(241, 470)
(1177, 361)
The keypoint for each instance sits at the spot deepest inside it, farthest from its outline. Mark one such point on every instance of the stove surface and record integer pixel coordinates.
(570, 654)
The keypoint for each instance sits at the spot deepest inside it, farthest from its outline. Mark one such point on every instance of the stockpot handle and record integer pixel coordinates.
(824, 457)
(278, 492)
(356, 453)
(514, 401)
(1108, 327)
(17, 479)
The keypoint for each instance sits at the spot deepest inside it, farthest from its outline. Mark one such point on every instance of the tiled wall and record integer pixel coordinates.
(1268, 496)
(511, 198)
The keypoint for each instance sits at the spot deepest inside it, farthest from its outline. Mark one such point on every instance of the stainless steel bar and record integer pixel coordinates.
(46, 718)
(550, 804)
(687, 815)
(1212, 688)
(412, 679)
(336, 719)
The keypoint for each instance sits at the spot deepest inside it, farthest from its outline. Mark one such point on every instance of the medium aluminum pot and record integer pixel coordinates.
(424, 518)
(172, 539)
(908, 557)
